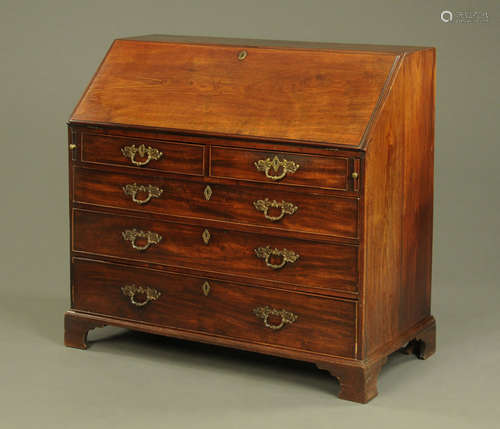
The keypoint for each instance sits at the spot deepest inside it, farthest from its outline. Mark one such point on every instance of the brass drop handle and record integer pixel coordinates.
(149, 294)
(266, 204)
(266, 311)
(133, 189)
(133, 234)
(289, 167)
(288, 256)
(142, 150)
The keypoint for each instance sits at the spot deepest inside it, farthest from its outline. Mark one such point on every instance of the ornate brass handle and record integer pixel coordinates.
(142, 150)
(266, 164)
(266, 252)
(266, 311)
(133, 189)
(131, 291)
(266, 204)
(133, 234)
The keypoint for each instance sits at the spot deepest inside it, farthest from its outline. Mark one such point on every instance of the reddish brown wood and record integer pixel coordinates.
(76, 330)
(175, 158)
(398, 205)
(278, 93)
(424, 344)
(358, 383)
(323, 266)
(314, 171)
(317, 214)
(359, 120)
(226, 311)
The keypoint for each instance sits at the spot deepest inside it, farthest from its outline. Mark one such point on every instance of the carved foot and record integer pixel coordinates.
(424, 343)
(358, 383)
(76, 329)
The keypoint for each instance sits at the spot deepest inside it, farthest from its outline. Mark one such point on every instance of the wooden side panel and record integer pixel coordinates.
(418, 186)
(398, 205)
(321, 96)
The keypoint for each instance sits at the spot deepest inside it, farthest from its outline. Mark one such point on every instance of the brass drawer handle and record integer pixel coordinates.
(266, 164)
(286, 255)
(133, 234)
(133, 189)
(266, 204)
(131, 291)
(142, 150)
(266, 311)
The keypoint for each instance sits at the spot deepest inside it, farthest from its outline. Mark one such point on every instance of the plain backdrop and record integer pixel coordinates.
(49, 52)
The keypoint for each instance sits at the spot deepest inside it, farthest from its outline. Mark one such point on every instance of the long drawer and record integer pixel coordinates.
(261, 315)
(272, 208)
(271, 258)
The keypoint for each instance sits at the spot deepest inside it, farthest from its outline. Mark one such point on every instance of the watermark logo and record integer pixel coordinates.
(446, 16)
(464, 17)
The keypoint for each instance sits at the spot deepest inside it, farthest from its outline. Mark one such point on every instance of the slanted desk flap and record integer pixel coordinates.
(316, 95)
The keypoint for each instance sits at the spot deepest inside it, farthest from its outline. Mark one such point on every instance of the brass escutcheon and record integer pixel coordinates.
(207, 192)
(133, 189)
(289, 167)
(266, 204)
(205, 288)
(206, 236)
(242, 55)
(133, 234)
(142, 150)
(266, 311)
(288, 256)
(132, 290)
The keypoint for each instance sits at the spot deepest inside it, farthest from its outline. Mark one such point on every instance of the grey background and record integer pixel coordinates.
(50, 50)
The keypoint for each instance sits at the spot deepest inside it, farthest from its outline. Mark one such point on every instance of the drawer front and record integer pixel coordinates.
(298, 262)
(294, 320)
(271, 208)
(327, 172)
(142, 153)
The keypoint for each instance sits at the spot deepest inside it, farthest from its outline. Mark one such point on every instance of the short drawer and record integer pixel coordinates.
(327, 172)
(270, 258)
(261, 315)
(146, 154)
(270, 207)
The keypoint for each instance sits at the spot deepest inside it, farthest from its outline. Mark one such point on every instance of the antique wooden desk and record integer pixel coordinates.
(268, 196)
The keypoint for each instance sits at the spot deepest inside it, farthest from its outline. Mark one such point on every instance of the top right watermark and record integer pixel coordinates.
(464, 17)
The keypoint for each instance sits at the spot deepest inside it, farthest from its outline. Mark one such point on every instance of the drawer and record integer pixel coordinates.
(294, 320)
(317, 171)
(270, 258)
(270, 207)
(159, 155)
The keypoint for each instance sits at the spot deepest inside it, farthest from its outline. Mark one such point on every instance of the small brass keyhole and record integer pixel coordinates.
(242, 55)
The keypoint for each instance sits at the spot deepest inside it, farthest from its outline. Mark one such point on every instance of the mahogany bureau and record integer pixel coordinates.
(274, 197)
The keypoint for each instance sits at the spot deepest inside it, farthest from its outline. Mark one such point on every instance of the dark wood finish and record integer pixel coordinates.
(359, 119)
(176, 158)
(316, 214)
(357, 383)
(76, 330)
(323, 266)
(314, 171)
(226, 311)
(424, 344)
